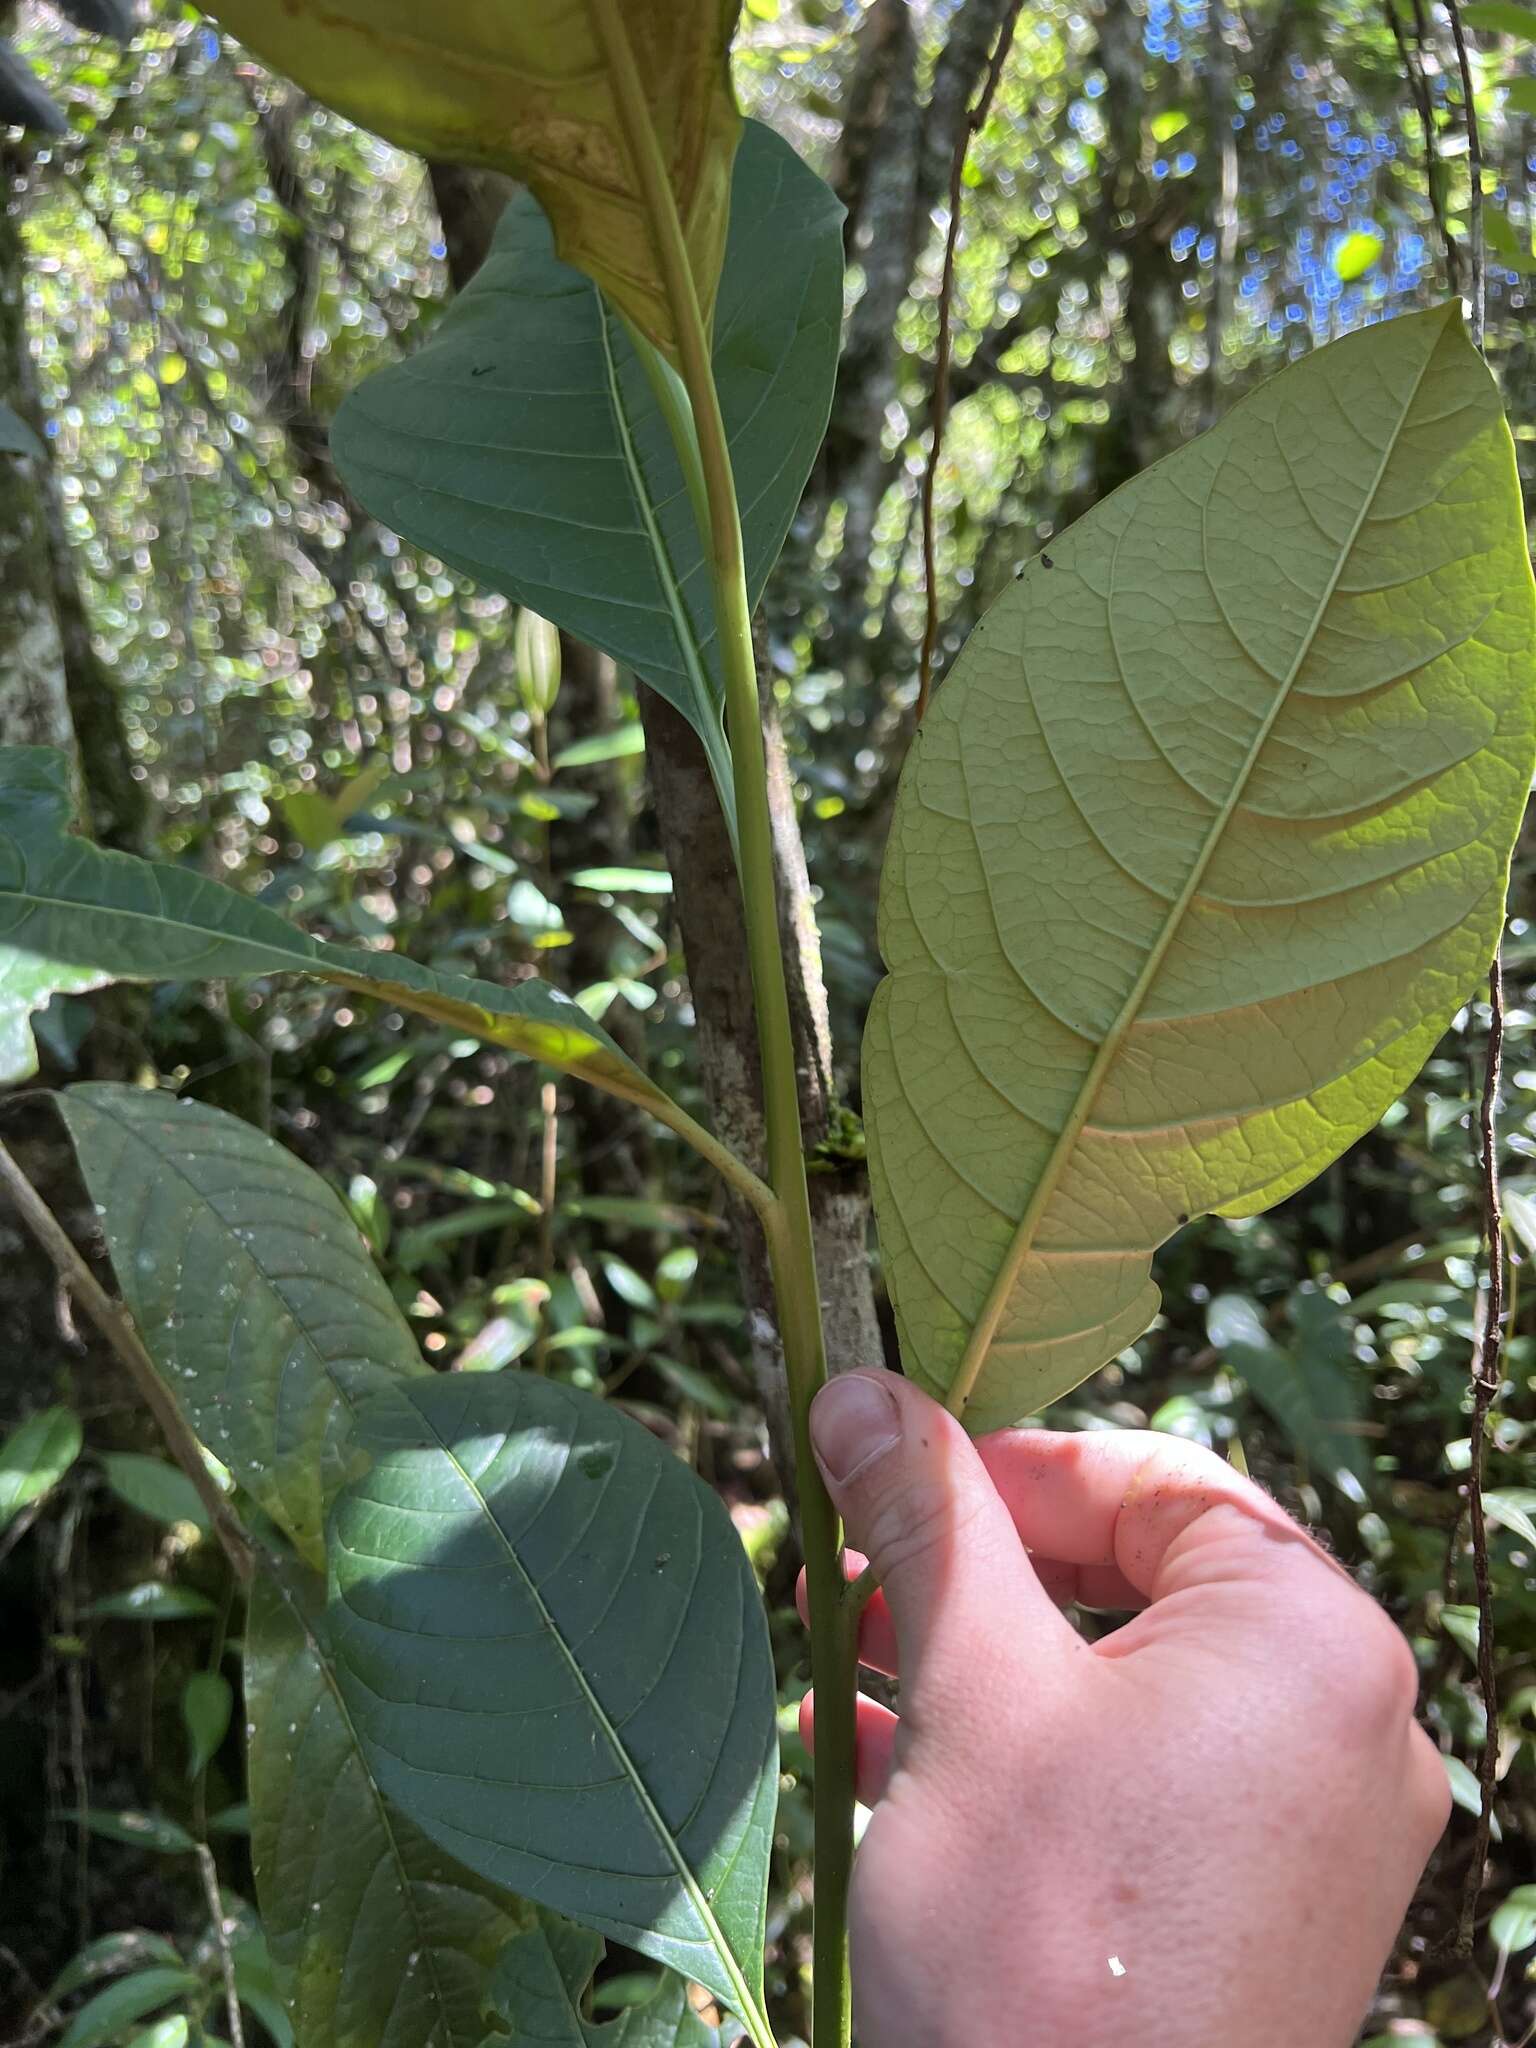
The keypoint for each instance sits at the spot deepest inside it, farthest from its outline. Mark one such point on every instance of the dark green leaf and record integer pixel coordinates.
(35, 1457)
(152, 1601)
(379, 1940)
(538, 1986)
(551, 1642)
(257, 1983)
(524, 444)
(1520, 96)
(112, 2012)
(141, 1830)
(155, 1487)
(249, 1284)
(73, 917)
(108, 1955)
(206, 1701)
(16, 437)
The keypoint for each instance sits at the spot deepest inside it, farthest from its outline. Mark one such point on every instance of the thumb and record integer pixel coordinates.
(917, 1500)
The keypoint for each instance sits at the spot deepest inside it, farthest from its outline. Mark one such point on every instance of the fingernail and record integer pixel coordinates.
(854, 1420)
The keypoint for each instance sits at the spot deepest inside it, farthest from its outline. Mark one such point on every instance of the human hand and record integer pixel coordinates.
(1202, 1831)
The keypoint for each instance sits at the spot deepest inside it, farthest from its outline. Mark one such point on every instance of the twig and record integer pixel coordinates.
(113, 1321)
(1486, 1379)
(1479, 253)
(939, 407)
(210, 1878)
(1418, 86)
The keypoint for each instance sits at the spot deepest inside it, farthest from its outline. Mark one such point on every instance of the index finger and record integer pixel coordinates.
(1120, 1499)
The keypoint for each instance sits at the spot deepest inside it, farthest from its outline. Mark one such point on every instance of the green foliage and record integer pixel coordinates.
(251, 1287)
(538, 1987)
(1204, 844)
(73, 917)
(379, 1940)
(531, 91)
(35, 1457)
(530, 428)
(154, 1487)
(531, 1601)
(112, 2012)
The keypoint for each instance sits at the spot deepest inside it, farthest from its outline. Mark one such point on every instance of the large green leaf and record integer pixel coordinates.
(552, 1645)
(527, 88)
(379, 1940)
(74, 917)
(250, 1286)
(538, 1985)
(1199, 849)
(525, 446)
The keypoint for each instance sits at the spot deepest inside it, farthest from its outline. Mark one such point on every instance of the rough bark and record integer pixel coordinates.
(698, 851)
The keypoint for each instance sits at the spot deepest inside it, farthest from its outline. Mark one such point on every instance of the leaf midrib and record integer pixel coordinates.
(978, 1346)
(749, 2009)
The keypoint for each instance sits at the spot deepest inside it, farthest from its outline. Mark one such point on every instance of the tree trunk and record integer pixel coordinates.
(708, 900)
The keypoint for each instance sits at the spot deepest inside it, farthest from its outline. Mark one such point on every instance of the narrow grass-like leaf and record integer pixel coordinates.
(250, 1286)
(111, 2013)
(525, 88)
(75, 917)
(1199, 850)
(538, 1985)
(379, 1940)
(525, 444)
(552, 1646)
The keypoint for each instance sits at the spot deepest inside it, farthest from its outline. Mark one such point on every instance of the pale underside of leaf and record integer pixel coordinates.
(524, 444)
(1200, 848)
(554, 1651)
(250, 1286)
(74, 917)
(524, 88)
(381, 1941)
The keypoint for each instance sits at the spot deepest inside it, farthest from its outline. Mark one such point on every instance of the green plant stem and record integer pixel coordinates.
(787, 1223)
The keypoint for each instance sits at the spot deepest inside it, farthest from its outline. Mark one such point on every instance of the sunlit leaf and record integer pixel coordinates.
(1513, 1925)
(35, 1457)
(538, 1988)
(527, 90)
(1203, 843)
(1501, 18)
(378, 1939)
(520, 1548)
(1355, 254)
(250, 1286)
(525, 446)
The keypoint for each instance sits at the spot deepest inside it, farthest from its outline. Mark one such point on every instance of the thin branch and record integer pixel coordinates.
(1486, 1379)
(1479, 252)
(113, 1321)
(210, 1877)
(939, 409)
(1418, 86)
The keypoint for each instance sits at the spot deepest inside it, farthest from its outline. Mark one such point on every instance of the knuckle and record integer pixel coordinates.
(912, 1523)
